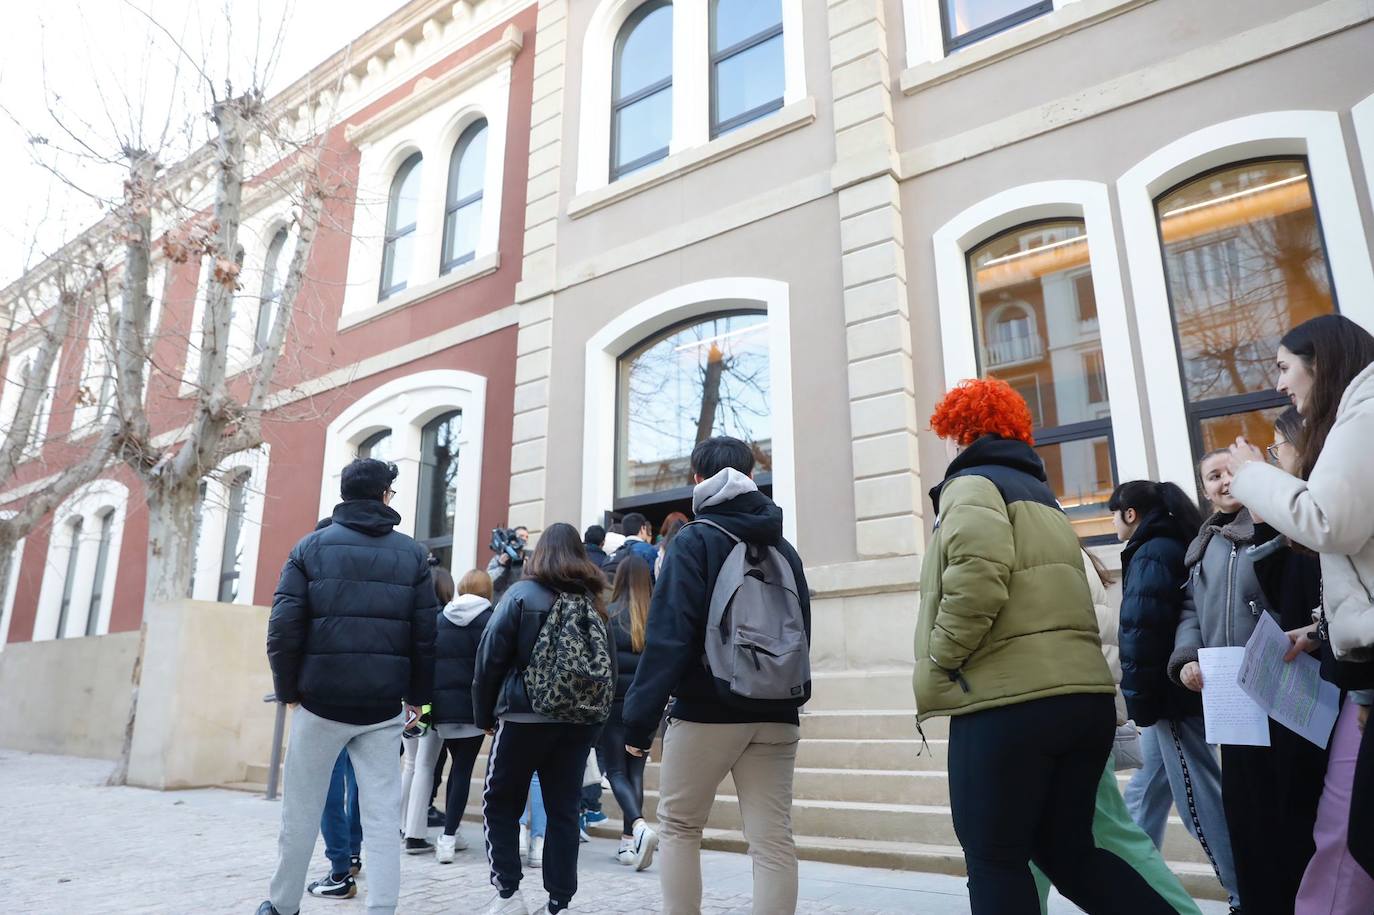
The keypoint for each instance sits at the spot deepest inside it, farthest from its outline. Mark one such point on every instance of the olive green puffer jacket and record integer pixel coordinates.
(1006, 614)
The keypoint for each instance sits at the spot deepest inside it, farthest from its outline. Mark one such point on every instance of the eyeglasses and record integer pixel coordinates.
(1273, 452)
(390, 493)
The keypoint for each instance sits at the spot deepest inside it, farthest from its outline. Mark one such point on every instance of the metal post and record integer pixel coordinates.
(274, 765)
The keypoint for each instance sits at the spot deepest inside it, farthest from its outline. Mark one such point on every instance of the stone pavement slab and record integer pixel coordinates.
(70, 845)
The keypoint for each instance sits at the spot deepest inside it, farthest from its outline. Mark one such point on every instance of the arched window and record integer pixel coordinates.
(438, 475)
(1245, 261)
(403, 205)
(642, 89)
(102, 561)
(69, 578)
(463, 212)
(230, 555)
(377, 446)
(1036, 322)
(747, 71)
(272, 282)
(709, 377)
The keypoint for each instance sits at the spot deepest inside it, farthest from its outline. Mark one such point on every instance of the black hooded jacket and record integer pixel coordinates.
(351, 633)
(1152, 593)
(675, 641)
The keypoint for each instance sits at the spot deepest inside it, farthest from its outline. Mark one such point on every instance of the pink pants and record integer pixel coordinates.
(1334, 883)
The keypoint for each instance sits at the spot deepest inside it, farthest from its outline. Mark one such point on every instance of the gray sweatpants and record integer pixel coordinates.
(310, 756)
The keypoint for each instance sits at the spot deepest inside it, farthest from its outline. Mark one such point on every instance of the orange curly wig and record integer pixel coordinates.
(982, 406)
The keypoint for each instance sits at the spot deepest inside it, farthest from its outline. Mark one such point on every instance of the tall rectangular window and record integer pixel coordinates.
(102, 559)
(233, 531)
(69, 580)
(967, 21)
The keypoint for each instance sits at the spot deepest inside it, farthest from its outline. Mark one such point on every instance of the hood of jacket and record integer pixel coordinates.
(1154, 525)
(465, 608)
(991, 451)
(1238, 528)
(721, 488)
(366, 516)
(749, 514)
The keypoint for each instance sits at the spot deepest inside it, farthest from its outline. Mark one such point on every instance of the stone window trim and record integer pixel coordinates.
(694, 301)
(16, 562)
(691, 83)
(81, 515)
(1086, 200)
(404, 405)
(1317, 135)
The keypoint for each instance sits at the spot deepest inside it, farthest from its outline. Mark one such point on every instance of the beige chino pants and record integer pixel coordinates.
(696, 759)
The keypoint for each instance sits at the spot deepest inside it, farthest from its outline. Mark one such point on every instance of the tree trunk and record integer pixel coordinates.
(171, 540)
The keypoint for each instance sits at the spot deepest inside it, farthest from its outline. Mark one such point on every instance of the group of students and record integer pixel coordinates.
(1008, 643)
(368, 640)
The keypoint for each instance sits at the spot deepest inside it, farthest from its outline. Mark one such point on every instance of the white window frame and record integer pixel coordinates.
(925, 34)
(432, 131)
(88, 503)
(11, 589)
(14, 389)
(693, 301)
(214, 517)
(1086, 200)
(404, 406)
(1318, 135)
(691, 86)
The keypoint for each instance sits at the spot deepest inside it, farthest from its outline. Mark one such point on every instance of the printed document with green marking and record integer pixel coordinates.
(1290, 692)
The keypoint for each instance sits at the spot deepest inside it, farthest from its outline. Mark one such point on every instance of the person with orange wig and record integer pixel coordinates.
(1007, 645)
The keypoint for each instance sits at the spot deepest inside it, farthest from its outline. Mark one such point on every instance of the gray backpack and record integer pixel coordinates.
(756, 645)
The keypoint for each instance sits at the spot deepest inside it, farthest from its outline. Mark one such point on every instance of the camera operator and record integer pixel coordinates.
(508, 565)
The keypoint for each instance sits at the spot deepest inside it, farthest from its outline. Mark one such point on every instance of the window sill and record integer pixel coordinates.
(1042, 30)
(789, 118)
(474, 269)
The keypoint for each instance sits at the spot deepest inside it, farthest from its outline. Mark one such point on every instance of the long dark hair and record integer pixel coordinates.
(634, 586)
(1289, 424)
(1335, 349)
(560, 563)
(1146, 496)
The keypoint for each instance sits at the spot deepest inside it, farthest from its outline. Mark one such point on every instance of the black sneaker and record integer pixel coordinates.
(355, 865)
(419, 846)
(268, 909)
(436, 816)
(334, 887)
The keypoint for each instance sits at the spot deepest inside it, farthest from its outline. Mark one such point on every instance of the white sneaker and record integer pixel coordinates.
(524, 841)
(537, 852)
(515, 905)
(626, 855)
(444, 848)
(460, 843)
(646, 840)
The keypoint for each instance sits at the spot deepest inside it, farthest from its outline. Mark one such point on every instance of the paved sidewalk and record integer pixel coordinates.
(71, 845)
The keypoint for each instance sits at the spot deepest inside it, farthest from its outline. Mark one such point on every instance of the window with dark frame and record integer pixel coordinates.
(271, 290)
(376, 446)
(69, 580)
(102, 561)
(1027, 308)
(230, 555)
(965, 22)
(747, 68)
(1244, 262)
(463, 208)
(436, 502)
(642, 89)
(402, 209)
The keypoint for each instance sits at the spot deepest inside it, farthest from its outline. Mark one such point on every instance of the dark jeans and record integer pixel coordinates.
(464, 751)
(341, 823)
(1023, 787)
(623, 771)
(558, 753)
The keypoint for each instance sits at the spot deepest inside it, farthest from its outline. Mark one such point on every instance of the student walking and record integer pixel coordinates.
(1326, 368)
(629, 612)
(459, 632)
(639, 537)
(1157, 522)
(544, 682)
(422, 752)
(351, 635)
(1007, 644)
(341, 825)
(725, 720)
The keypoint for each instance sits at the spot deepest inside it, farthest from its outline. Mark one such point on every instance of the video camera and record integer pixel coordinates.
(506, 540)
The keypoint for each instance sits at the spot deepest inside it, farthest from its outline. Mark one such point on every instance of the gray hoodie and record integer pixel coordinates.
(465, 608)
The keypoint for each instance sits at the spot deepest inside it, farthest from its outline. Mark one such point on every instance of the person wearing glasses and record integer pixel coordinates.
(350, 640)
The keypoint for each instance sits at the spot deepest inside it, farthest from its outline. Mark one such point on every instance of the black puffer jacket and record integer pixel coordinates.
(1152, 595)
(676, 642)
(625, 655)
(498, 685)
(456, 639)
(352, 627)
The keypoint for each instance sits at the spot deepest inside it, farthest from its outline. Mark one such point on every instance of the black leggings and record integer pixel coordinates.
(464, 751)
(1023, 787)
(623, 771)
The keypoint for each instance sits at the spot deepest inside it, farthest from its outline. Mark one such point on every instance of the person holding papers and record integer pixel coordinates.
(1326, 369)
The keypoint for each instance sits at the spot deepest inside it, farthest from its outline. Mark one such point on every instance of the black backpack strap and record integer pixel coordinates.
(716, 526)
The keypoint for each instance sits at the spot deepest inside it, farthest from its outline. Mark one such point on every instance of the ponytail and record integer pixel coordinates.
(1146, 496)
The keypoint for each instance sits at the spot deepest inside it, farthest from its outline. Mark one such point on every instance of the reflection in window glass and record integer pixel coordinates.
(438, 482)
(641, 94)
(463, 212)
(376, 446)
(272, 282)
(711, 378)
(966, 21)
(231, 556)
(402, 206)
(747, 70)
(1035, 330)
(69, 580)
(102, 561)
(1256, 425)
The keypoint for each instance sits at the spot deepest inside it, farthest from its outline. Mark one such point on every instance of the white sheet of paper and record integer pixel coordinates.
(1291, 692)
(1230, 715)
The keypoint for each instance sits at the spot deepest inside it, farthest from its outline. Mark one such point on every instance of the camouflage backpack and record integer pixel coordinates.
(569, 677)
